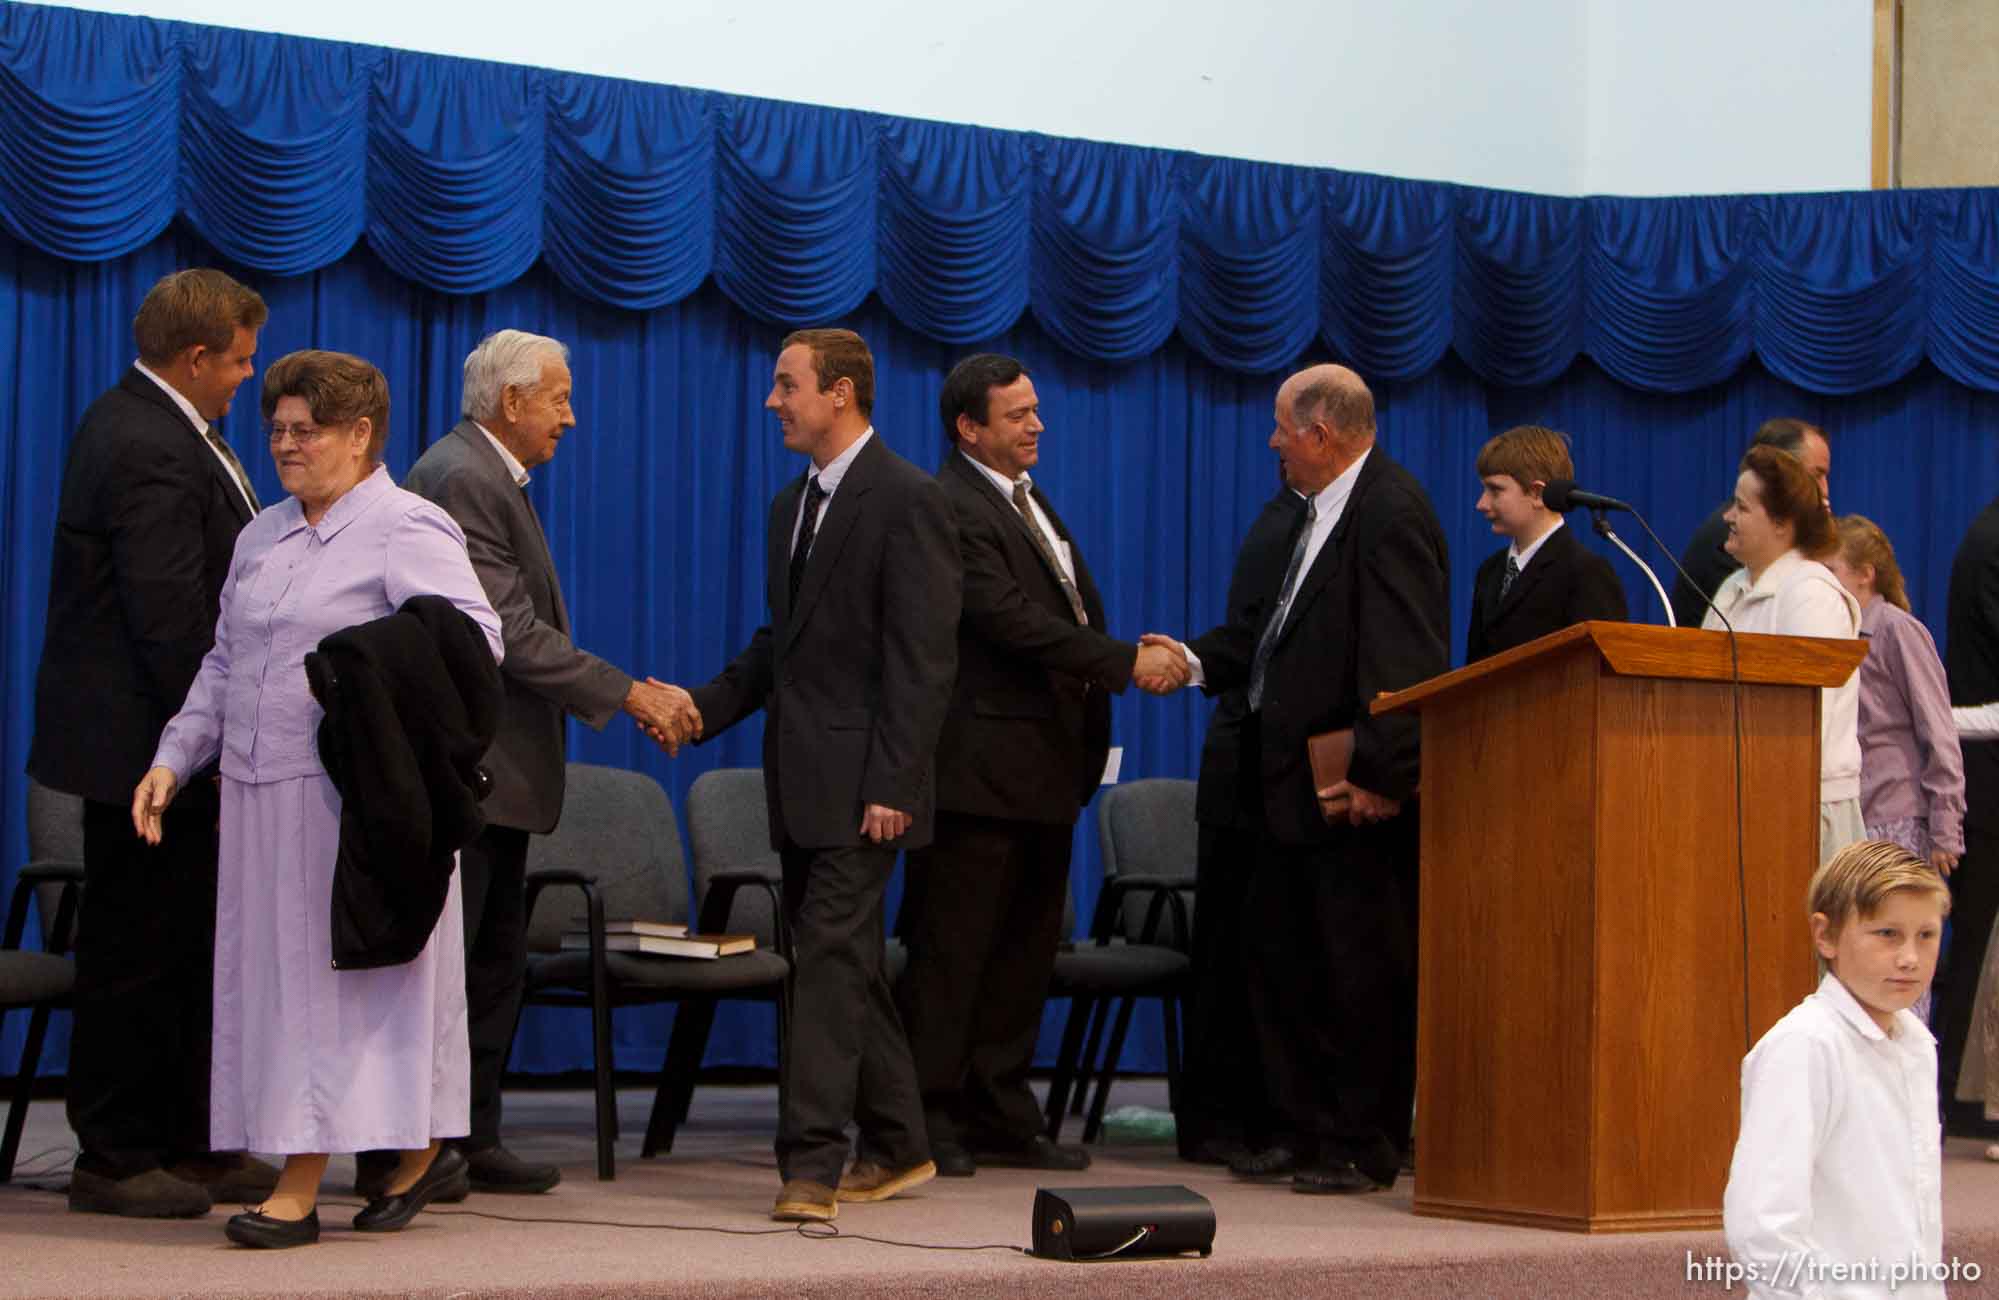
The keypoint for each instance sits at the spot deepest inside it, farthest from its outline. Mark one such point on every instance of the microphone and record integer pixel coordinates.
(1563, 495)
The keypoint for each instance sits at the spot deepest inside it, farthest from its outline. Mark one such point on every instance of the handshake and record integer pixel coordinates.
(665, 713)
(1162, 666)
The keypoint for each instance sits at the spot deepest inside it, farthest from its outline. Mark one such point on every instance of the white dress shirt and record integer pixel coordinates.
(829, 483)
(1328, 504)
(1840, 1157)
(1521, 558)
(1800, 597)
(1976, 721)
(201, 427)
(507, 458)
(1063, 554)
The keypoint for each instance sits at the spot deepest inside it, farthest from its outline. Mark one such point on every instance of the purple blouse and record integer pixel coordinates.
(1910, 764)
(291, 583)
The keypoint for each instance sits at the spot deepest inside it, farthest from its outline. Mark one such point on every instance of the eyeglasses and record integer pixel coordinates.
(304, 435)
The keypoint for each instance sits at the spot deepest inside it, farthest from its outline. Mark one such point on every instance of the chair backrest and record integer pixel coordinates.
(617, 826)
(728, 829)
(1147, 828)
(55, 834)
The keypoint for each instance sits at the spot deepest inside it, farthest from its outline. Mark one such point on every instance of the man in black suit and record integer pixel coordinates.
(1705, 559)
(1546, 579)
(1022, 750)
(1972, 651)
(152, 500)
(1362, 608)
(854, 673)
(1223, 1113)
(516, 406)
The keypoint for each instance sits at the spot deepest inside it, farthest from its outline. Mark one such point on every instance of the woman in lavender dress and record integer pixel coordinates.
(308, 1059)
(1911, 769)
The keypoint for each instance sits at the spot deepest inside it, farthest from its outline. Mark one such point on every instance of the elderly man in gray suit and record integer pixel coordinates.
(516, 408)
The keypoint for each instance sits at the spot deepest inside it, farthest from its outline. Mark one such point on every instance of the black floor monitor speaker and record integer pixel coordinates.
(1119, 1222)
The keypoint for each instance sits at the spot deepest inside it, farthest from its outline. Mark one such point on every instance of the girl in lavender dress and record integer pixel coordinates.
(308, 1059)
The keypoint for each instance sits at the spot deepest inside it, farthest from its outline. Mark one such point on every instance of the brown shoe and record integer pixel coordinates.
(155, 1194)
(804, 1201)
(869, 1181)
(229, 1177)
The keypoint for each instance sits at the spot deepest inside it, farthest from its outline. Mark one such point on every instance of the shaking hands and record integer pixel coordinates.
(665, 713)
(1162, 664)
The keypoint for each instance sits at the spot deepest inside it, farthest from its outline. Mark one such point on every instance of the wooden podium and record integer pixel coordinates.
(1583, 983)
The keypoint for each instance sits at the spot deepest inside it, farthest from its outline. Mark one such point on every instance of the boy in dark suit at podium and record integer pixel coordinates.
(1546, 579)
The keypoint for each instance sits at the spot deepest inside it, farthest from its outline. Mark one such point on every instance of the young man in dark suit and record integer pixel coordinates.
(516, 405)
(854, 673)
(152, 500)
(1545, 579)
(1361, 608)
(1022, 750)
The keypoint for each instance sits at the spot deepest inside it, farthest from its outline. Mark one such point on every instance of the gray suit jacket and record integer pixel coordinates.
(544, 672)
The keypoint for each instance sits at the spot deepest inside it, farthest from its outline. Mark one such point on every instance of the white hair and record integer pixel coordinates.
(508, 357)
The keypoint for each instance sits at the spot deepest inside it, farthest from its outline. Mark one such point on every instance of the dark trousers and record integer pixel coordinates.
(1223, 1093)
(1974, 901)
(845, 1057)
(492, 872)
(982, 915)
(1332, 984)
(145, 963)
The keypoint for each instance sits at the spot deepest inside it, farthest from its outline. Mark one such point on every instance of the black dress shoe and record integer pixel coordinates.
(1038, 1152)
(1342, 1179)
(1219, 1151)
(953, 1161)
(266, 1233)
(1271, 1162)
(372, 1176)
(496, 1169)
(393, 1213)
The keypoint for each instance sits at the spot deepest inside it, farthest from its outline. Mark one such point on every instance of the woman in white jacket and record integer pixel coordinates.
(1779, 528)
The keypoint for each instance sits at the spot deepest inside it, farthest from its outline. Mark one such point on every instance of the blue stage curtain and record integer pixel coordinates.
(654, 508)
(636, 195)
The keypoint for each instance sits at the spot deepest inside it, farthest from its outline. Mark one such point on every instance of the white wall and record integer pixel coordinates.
(1560, 96)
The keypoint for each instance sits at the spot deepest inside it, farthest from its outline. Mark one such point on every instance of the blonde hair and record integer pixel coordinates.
(1861, 541)
(1861, 876)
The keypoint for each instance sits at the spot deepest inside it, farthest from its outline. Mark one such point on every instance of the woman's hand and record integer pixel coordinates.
(1944, 862)
(156, 790)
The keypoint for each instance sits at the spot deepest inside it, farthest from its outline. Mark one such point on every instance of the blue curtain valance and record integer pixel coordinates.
(281, 152)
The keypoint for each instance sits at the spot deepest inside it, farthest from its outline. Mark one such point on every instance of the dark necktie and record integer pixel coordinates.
(1512, 576)
(235, 468)
(1268, 642)
(1047, 549)
(807, 527)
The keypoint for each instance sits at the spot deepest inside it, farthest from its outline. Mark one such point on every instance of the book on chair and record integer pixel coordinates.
(632, 925)
(700, 946)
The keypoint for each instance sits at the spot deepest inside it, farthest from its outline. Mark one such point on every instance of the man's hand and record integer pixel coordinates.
(155, 791)
(881, 824)
(1162, 664)
(1944, 862)
(664, 712)
(1363, 807)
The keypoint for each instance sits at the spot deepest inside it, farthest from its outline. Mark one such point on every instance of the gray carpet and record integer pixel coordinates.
(722, 1175)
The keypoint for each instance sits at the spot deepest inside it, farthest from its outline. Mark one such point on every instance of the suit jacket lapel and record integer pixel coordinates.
(1545, 560)
(1333, 554)
(232, 491)
(527, 524)
(836, 521)
(1011, 521)
(1086, 587)
(777, 552)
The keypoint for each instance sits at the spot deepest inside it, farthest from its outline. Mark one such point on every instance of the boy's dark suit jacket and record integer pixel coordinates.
(855, 682)
(1566, 583)
(1030, 720)
(1372, 614)
(144, 534)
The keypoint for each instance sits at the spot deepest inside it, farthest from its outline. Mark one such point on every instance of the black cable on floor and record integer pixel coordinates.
(811, 1231)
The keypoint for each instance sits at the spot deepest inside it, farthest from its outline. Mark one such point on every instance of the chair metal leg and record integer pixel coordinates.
(606, 1089)
(1174, 1011)
(1093, 1129)
(693, 1019)
(1066, 1064)
(24, 1087)
(1100, 1015)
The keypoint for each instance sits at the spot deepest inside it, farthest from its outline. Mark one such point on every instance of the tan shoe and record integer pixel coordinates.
(868, 1181)
(803, 1201)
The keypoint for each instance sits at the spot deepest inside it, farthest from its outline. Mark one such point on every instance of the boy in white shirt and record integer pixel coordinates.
(1836, 1185)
